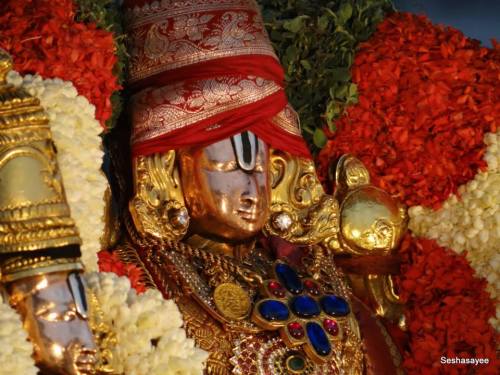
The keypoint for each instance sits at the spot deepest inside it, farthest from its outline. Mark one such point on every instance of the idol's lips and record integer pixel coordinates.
(247, 215)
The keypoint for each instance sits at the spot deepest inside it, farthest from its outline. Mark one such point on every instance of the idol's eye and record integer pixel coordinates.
(49, 313)
(226, 166)
(70, 314)
(45, 312)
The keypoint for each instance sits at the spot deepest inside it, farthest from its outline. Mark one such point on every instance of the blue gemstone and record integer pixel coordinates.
(274, 310)
(305, 307)
(335, 306)
(318, 339)
(289, 278)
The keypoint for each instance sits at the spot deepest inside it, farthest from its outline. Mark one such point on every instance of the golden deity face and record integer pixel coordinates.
(226, 187)
(54, 311)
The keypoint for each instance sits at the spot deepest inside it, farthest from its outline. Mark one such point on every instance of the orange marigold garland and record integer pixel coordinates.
(427, 95)
(447, 310)
(110, 262)
(44, 38)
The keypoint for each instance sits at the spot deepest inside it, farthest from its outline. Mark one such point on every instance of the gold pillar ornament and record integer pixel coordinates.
(34, 213)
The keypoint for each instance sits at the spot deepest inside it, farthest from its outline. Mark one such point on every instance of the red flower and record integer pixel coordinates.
(43, 37)
(110, 262)
(447, 310)
(427, 95)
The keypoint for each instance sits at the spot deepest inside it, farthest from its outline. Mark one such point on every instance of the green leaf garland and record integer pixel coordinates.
(316, 41)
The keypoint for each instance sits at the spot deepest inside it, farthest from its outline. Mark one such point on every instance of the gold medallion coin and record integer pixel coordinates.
(232, 301)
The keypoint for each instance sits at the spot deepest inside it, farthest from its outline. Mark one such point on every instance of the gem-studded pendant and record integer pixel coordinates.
(232, 301)
(302, 312)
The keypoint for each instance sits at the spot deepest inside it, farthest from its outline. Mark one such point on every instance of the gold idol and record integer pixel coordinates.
(226, 215)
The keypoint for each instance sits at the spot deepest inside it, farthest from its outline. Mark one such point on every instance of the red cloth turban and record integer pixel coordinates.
(203, 70)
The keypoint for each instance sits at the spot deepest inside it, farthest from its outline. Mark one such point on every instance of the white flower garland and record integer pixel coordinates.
(76, 135)
(141, 320)
(15, 349)
(470, 221)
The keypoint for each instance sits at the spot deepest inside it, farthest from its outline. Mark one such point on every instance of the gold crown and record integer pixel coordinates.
(34, 213)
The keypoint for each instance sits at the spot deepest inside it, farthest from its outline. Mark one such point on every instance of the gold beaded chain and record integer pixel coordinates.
(223, 262)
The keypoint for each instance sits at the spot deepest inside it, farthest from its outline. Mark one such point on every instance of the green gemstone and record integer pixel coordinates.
(296, 363)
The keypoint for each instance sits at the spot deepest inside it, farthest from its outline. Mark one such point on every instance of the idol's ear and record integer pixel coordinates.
(301, 212)
(158, 209)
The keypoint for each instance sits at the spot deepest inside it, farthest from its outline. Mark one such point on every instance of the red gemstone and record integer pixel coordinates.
(296, 330)
(311, 287)
(331, 327)
(276, 288)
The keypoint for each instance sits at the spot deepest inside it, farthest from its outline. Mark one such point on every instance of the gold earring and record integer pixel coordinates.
(158, 209)
(301, 212)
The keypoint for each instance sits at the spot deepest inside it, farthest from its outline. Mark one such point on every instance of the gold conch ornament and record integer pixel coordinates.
(358, 220)
(371, 223)
(158, 209)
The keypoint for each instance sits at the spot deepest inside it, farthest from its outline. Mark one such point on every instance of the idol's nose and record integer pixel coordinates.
(250, 195)
(248, 202)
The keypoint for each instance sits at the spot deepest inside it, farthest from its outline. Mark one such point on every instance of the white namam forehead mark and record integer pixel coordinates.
(223, 151)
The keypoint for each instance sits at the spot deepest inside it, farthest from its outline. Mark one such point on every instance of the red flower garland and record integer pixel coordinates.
(447, 310)
(427, 95)
(110, 262)
(43, 37)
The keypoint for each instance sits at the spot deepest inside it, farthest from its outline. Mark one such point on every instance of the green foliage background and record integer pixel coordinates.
(316, 42)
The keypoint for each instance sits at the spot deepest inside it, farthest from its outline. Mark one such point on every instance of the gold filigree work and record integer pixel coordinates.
(16, 268)
(288, 120)
(297, 192)
(158, 209)
(103, 334)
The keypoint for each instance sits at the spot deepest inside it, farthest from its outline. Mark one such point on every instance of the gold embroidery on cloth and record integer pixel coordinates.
(162, 110)
(164, 39)
(288, 120)
(139, 16)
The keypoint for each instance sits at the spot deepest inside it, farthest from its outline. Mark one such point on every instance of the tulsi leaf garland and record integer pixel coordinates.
(316, 42)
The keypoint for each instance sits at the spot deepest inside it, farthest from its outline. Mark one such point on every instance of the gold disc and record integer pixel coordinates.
(232, 301)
